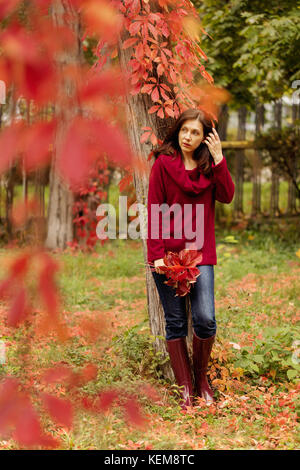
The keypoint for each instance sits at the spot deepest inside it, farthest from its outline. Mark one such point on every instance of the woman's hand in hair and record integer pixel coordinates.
(157, 263)
(214, 145)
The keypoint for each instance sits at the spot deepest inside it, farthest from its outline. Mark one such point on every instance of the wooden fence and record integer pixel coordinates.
(248, 166)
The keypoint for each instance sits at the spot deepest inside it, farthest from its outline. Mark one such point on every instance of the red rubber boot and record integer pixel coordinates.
(201, 353)
(180, 363)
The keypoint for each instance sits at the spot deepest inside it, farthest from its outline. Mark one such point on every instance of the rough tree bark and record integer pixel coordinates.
(274, 201)
(223, 119)
(60, 218)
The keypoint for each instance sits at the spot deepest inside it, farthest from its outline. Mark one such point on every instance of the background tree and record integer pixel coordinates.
(254, 51)
(60, 228)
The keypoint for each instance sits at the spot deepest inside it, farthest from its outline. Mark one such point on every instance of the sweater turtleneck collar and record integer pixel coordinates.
(191, 182)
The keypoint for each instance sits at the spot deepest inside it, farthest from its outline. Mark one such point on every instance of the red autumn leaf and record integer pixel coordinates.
(192, 273)
(160, 113)
(112, 142)
(49, 295)
(60, 410)
(153, 109)
(36, 75)
(18, 417)
(8, 404)
(152, 79)
(19, 266)
(102, 17)
(81, 233)
(173, 75)
(135, 80)
(147, 88)
(150, 392)
(129, 42)
(49, 442)
(134, 27)
(155, 94)
(201, 53)
(7, 7)
(125, 182)
(133, 412)
(58, 374)
(36, 144)
(18, 311)
(182, 288)
(209, 96)
(92, 328)
(107, 83)
(166, 87)
(136, 89)
(31, 142)
(164, 95)
(84, 142)
(160, 71)
(40, 80)
(23, 210)
(169, 111)
(47, 284)
(10, 138)
(87, 403)
(190, 258)
(73, 167)
(106, 399)
(88, 373)
(28, 431)
(145, 137)
(139, 51)
(153, 30)
(43, 5)
(153, 139)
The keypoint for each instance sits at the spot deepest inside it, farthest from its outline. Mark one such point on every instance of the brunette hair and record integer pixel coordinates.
(171, 144)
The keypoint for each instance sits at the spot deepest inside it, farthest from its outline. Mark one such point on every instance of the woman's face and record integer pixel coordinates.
(190, 135)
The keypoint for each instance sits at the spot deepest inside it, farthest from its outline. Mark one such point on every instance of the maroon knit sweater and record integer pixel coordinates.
(171, 183)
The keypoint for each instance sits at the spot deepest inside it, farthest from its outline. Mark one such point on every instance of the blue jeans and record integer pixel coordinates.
(202, 305)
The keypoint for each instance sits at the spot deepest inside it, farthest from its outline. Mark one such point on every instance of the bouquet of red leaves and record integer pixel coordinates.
(181, 269)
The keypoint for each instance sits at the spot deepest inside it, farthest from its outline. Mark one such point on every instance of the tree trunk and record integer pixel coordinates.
(223, 119)
(9, 199)
(292, 207)
(240, 162)
(24, 174)
(256, 190)
(9, 177)
(60, 228)
(274, 201)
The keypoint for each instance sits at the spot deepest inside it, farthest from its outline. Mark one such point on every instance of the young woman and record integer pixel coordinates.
(190, 171)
